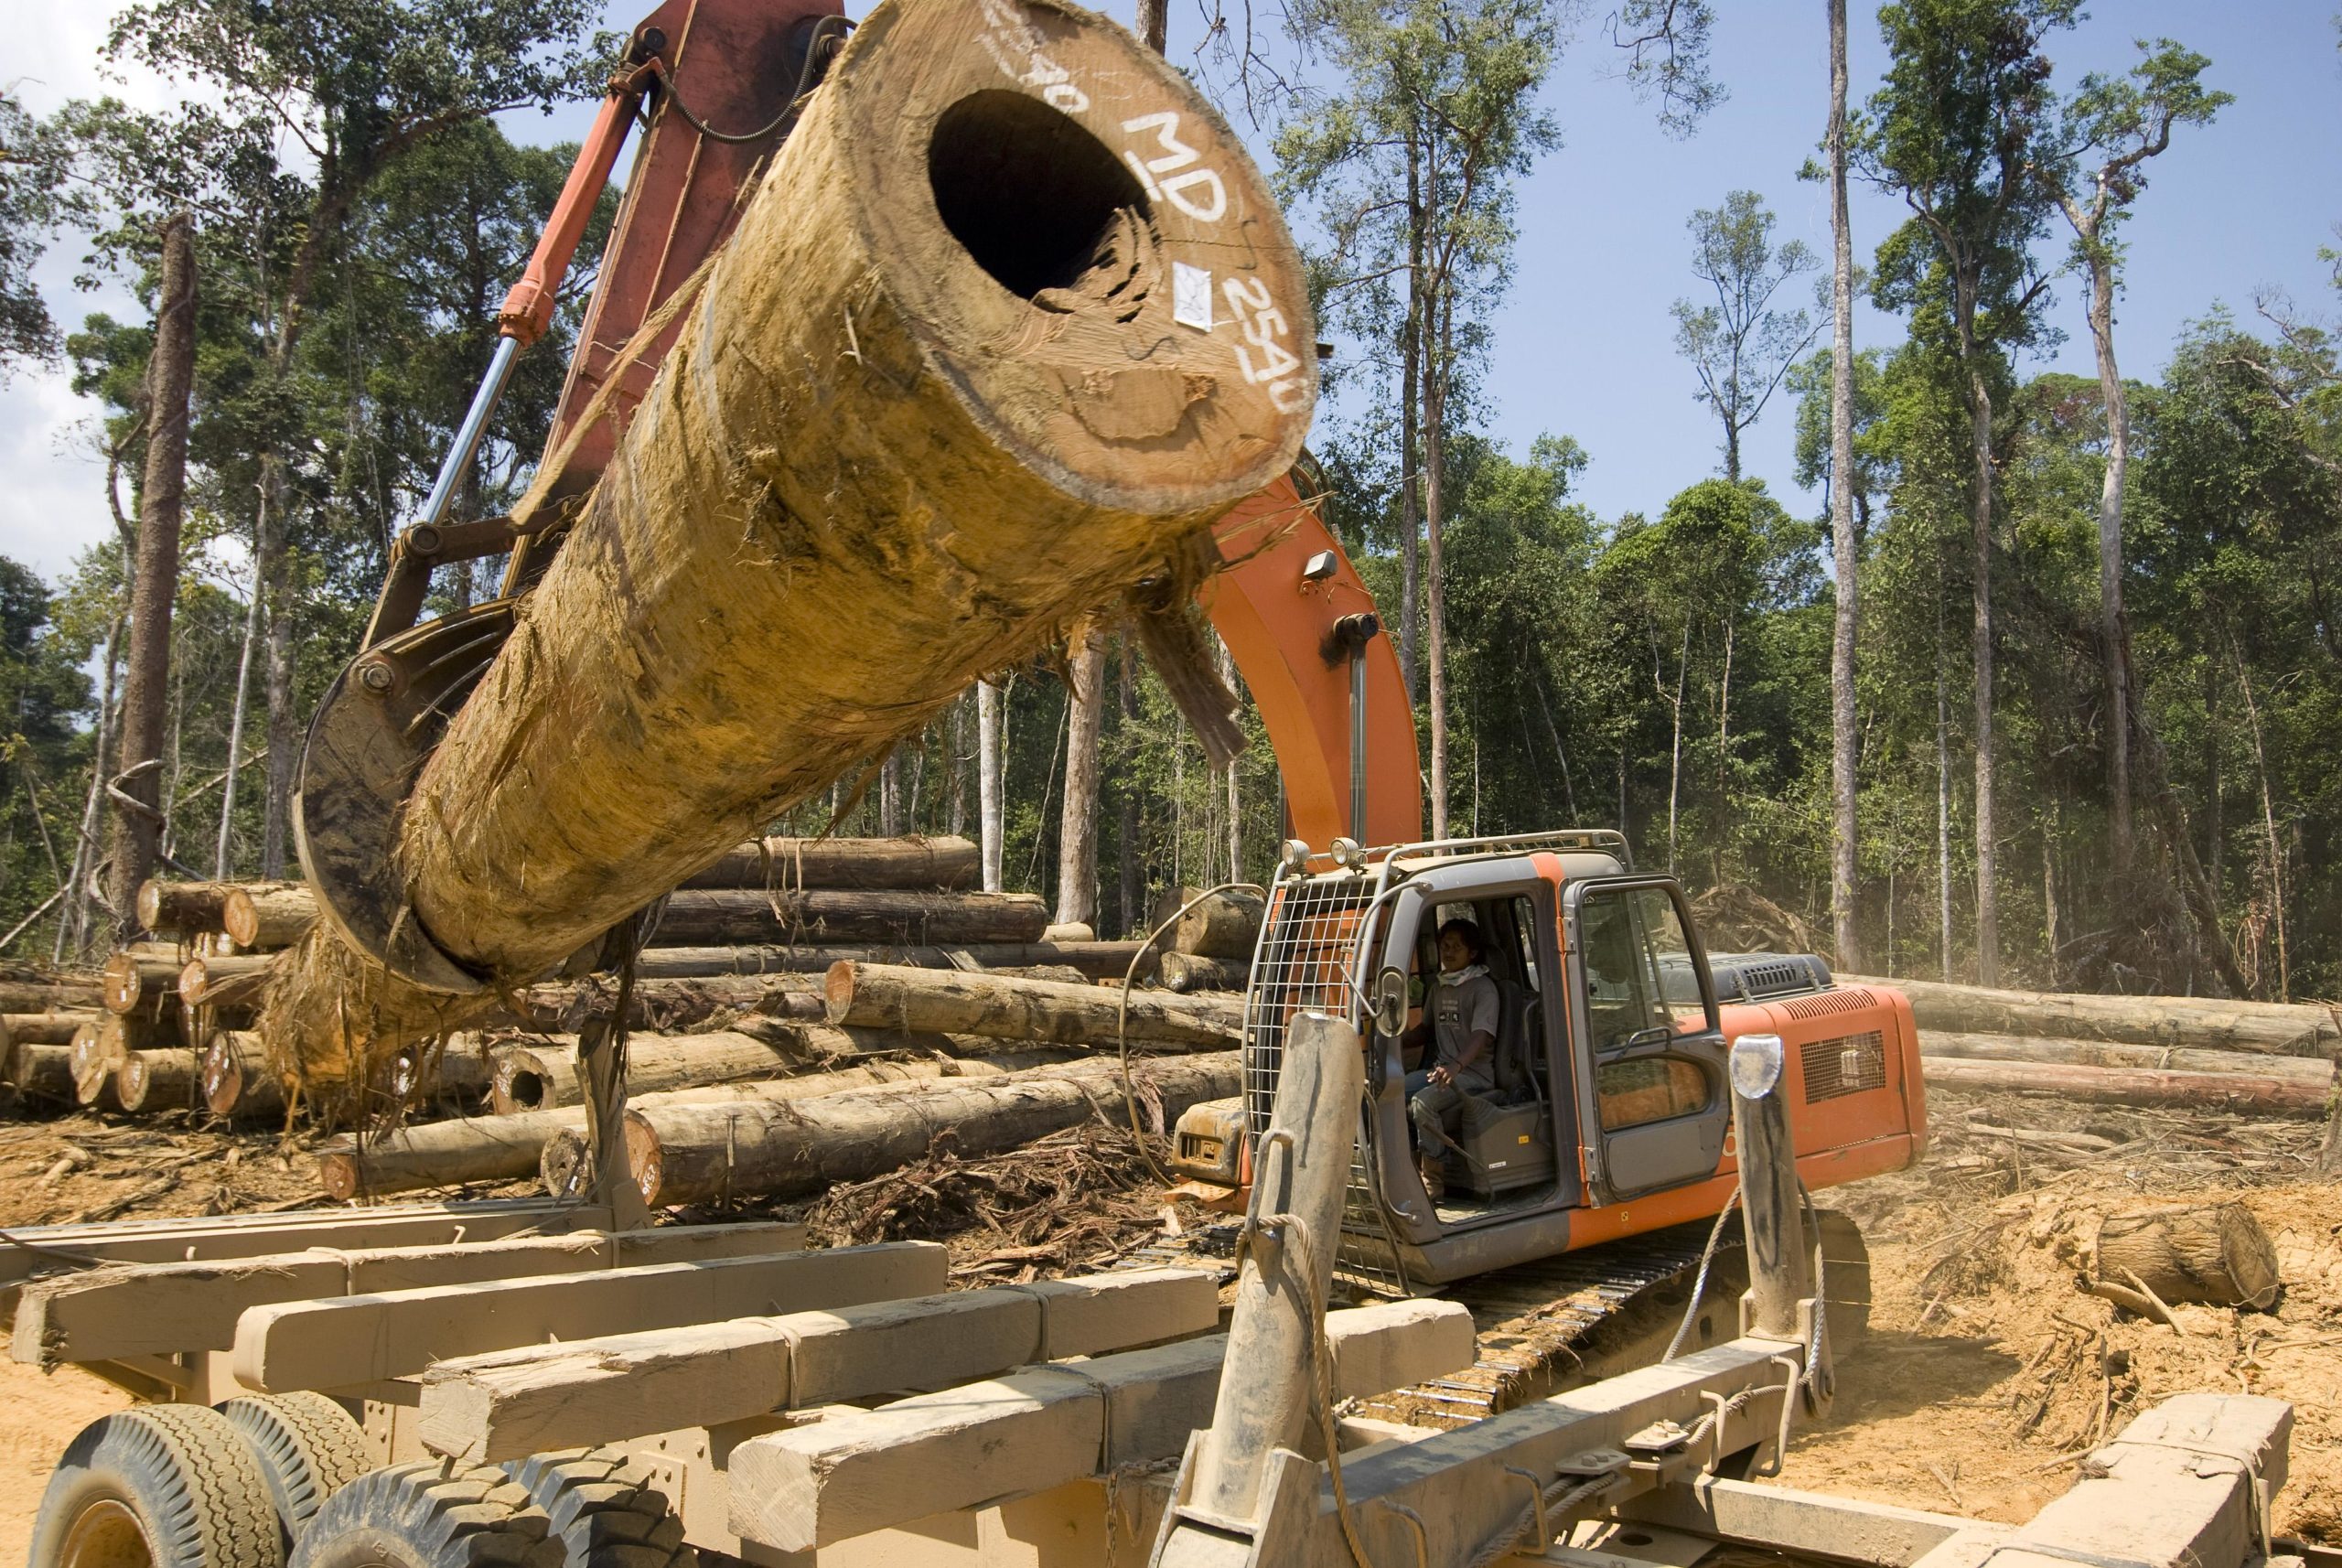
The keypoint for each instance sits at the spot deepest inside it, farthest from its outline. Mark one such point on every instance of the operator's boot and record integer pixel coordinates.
(1429, 1167)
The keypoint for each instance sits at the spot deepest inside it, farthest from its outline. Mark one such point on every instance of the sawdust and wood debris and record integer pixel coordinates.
(1989, 1372)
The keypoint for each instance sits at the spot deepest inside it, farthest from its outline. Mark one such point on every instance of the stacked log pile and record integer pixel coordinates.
(729, 988)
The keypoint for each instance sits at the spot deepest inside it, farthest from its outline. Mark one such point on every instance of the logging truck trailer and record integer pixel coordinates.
(520, 1383)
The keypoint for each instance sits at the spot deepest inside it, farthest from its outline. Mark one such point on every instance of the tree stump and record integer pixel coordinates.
(2214, 1252)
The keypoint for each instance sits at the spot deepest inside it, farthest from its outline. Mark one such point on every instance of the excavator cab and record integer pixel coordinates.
(1606, 1110)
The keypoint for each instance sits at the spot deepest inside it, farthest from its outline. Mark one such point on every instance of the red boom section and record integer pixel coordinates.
(1277, 620)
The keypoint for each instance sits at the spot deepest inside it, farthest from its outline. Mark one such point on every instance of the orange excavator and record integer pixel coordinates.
(1573, 1185)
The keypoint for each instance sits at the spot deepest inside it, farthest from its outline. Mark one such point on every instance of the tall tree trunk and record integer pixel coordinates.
(1675, 744)
(1128, 855)
(1988, 910)
(1227, 661)
(170, 375)
(222, 858)
(1077, 823)
(2276, 861)
(2114, 632)
(1846, 556)
(890, 796)
(956, 803)
(988, 804)
(1411, 371)
(1155, 23)
(284, 722)
(1943, 798)
(73, 920)
(1435, 571)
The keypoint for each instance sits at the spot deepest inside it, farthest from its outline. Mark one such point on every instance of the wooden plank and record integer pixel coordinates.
(812, 1485)
(509, 1403)
(169, 1308)
(1782, 1518)
(2176, 1488)
(398, 1334)
(216, 1236)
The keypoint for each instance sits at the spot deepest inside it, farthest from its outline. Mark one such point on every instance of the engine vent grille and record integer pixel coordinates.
(1852, 999)
(1847, 1065)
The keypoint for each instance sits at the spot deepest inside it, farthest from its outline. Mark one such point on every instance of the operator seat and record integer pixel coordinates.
(1507, 1136)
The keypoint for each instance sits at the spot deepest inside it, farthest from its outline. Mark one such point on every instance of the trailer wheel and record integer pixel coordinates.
(606, 1511)
(164, 1486)
(308, 1446)
(429, 1514)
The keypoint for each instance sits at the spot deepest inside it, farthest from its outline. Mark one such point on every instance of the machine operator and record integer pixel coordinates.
(1460, 1024)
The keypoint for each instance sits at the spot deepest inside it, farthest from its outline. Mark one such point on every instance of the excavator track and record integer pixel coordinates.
(1547, 1326)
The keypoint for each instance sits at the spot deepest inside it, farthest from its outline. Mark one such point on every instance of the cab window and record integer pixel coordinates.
(1648, 1088)
(1640, 974)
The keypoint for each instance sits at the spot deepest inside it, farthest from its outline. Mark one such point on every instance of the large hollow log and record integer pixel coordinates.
(267, 916)
(1009, 322)
(2215, 1252)
(511, 1148)
(1096, 960)
(2118, 1053)
(909, 864)
(697, 1154)
(190, 909)
(157, 1081)
(751, 917)
(2196, 1022)
(881, 996)
(2258, 1094)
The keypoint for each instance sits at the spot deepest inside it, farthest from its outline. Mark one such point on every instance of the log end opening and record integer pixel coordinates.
(1034, 200)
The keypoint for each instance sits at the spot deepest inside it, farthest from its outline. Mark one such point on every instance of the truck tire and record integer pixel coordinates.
(162, 1485)
(308, 1446)
(605, 1510)
(429, 1514)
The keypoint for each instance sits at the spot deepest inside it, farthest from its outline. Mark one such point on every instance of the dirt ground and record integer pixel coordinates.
(1987, 1373)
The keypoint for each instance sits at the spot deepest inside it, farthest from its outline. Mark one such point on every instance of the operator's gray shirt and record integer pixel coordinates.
(1458, 1013)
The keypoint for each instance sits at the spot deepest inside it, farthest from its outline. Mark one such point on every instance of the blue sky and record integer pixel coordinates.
(1583, 343)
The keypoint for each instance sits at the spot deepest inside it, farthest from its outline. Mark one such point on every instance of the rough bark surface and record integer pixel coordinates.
(692, 1153)
(1224, 926)
(512, 1147)
(1846, 551)
(2236, 1092)
(2214, 1252)
(1192, 971)
(1077, 824)
(750, 916)
(913, 865)
(930, 409)
(879, 996)
(157, 1081)
(170, 375)
(265, 916)
(2205, 1022)
(187, 908)
(2311, 1070)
